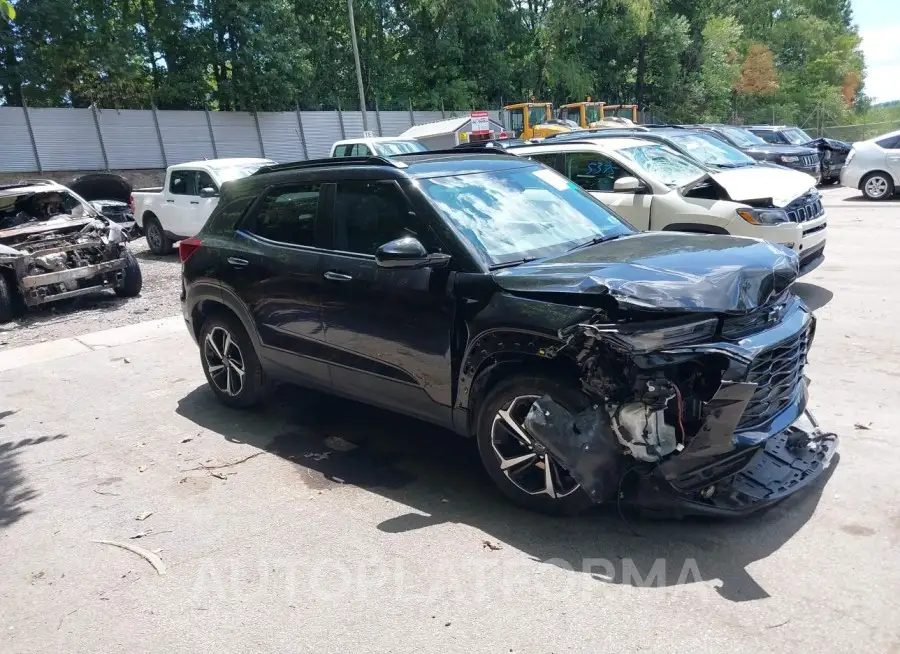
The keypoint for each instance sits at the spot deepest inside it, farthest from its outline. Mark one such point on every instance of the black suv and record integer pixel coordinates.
(489, 295)
(798, 157)
(833, 153)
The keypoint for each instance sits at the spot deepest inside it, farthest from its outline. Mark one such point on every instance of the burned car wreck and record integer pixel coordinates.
(695, 378)
(54, 246)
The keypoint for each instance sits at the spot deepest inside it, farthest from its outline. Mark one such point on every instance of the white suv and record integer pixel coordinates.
(655, 188)
(873, 167)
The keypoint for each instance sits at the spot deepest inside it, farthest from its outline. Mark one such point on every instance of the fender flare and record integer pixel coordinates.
(204, 296)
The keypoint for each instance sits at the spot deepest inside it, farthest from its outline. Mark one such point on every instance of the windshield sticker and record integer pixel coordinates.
(554, 179)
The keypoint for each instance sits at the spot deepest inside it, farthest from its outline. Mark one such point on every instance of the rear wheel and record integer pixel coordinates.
(523, 469)
(231, 364)
(878, 186)
(157, 240)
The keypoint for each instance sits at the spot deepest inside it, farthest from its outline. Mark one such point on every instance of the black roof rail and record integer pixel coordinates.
(460, 152)
(331, 161)
(596, 133)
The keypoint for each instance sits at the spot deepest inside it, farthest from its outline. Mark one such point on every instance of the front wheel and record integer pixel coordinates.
(231, 364)
(878, 186)
(132, 280)
(520, 467)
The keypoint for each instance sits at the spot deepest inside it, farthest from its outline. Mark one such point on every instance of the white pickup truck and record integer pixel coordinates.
(180, 208)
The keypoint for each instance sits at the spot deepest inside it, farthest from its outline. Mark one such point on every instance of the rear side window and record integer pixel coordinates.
(369, 214)
(360, 150)
(767, 136)
(593, 172)
(229, 215)
(288, 215)
(890, 143)
(549, 159)
(183, 182)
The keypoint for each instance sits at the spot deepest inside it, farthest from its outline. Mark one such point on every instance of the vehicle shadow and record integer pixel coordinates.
(147, 255)
(439, 476)
(862, 198)
(14, 492)
(814, 295)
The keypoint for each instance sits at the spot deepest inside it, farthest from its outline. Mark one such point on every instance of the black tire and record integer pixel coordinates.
(132, 280)
(569, 395)
(255, 386)
(157, 240)
(872, 179)
(7, 300)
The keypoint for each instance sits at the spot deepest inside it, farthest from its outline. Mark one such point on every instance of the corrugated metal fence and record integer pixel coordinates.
(37, 140)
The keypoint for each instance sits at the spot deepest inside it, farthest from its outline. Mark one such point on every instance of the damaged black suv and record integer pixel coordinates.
(490, 295)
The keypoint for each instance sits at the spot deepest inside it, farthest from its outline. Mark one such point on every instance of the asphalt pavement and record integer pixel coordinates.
(324, 526)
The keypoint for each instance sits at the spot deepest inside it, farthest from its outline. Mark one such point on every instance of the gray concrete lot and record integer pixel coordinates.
(401, 544)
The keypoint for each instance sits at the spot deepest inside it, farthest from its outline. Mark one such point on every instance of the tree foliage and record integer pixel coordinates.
(680, 59)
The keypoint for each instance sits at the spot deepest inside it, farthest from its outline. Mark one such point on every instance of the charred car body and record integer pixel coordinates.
(490, 295)
(110, 195)
(54, 246)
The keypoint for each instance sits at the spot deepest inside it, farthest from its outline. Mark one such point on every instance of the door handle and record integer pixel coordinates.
(337, 277)
(195, 201)
(170, 201)
(238, 263)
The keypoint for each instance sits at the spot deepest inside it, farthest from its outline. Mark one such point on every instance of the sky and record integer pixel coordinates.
(879, 26)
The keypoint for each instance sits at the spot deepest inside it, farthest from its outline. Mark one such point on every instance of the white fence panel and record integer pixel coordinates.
(394, 123)
(67, 139)
(321, 129)
(235, 134)
(427, 116)
(185, 135)
(130, 138)
(16, 151)
(353, 125)
(281, 136)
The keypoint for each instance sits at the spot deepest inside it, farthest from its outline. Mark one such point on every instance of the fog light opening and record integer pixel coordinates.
(708, 492)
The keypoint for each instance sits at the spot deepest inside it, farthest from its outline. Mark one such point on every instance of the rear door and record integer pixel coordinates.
(388, 331)
(597, 173)
(891, 147)
(273, 266)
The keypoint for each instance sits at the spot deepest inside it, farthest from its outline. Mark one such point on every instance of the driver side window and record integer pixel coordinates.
(593, 172)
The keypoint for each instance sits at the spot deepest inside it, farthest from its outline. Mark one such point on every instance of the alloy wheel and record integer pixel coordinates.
(524, 461)
(224, 361)
(876, 186)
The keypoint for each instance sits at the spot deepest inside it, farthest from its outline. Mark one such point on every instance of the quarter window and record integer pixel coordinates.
(288, 215)
(593, 172)
(890, 143)
(369, 214)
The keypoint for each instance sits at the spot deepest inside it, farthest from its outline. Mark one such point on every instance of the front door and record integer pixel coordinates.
(892, 157)
(182, 201)
(597, 174)
(388, 330)
(273, 265)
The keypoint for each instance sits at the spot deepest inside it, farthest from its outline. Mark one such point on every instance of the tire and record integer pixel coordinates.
(572, 500)
(877, 186)
(254, 385)
(157, 240)
(7, 300)
(132, 280)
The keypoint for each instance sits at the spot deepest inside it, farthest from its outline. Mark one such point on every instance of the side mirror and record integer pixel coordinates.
(209, 192)
(408, 252)
(624, 184)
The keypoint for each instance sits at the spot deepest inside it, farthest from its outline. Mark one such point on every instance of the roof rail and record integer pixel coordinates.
(460, 152)
(331, 161)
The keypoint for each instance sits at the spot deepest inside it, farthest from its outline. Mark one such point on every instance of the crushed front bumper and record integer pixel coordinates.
(750, 479)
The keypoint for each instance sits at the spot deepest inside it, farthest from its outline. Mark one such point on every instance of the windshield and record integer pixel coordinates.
(521, 213)
(592, 113)
(537, 115)
(741, 136)
(41, 206)
(711, 151)
(237, 172)
(669, 167)
(796, 136)
(399, 147)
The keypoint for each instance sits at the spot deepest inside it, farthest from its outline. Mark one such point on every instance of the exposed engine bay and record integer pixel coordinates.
(54, 246)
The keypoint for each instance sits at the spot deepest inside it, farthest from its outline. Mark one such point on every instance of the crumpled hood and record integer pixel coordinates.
(783, 185)
(829, 144)
(788, 150)
(664, 271)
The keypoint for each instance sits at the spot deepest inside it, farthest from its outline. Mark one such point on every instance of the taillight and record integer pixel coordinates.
(131, 203)
(187, 247)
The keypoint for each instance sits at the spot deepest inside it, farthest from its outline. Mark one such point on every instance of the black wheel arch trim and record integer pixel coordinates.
(200, 292)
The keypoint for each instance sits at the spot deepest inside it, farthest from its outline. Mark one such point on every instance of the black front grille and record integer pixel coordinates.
(809, 159)
(776, 372)
(805, 208)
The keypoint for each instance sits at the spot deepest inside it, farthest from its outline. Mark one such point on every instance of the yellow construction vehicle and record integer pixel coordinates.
(528, 120)
(591, 114)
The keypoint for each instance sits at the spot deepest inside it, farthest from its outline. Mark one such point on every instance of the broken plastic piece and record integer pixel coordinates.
(150, 557)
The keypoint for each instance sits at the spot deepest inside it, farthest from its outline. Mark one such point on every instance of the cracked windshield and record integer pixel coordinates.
(669, 167)
(511, 215)
(712, 151)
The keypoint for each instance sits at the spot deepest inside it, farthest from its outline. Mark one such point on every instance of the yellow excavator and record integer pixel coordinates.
(529, 120)
(593, 114)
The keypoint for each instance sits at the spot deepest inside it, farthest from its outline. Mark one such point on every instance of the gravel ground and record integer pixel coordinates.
(158, 299)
